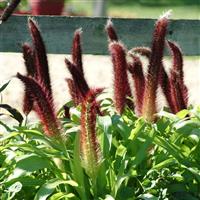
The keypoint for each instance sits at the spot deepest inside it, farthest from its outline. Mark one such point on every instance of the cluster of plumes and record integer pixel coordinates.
(38, 92)
(38, 95)
(84, 96)
(145, 87)
(78, 86)
(9, 10)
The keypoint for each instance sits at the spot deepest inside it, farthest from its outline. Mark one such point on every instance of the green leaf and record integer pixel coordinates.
(77, 170)
(31, 163)
(109, 197)
(139, 127)
(188, 127)
(48, 188)
(4, 86)
(8, 136)
(121, 150)
(15, 114)
(27, 181)
(183, 113)
(61, 195)
(75, 115)
(148, 196)
(165, 163)
(105, 123)
(28, 163)
(15, 188)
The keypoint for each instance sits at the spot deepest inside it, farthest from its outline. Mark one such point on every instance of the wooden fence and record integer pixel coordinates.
(58, 31)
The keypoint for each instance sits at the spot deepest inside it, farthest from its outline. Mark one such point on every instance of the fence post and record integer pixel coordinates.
(99, 8)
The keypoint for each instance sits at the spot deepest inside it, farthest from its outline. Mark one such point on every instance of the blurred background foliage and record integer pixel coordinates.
(158, 2)
(182, 9)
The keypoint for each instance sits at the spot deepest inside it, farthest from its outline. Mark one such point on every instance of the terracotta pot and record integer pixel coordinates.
(46, 7)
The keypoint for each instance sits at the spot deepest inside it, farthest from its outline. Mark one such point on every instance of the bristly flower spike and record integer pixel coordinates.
(89, 147)
(112, 35)
(149, 103)
(9, 10)
(135, 68)
(74, 92)
(42, 67)
(43, 105)
(163, 77)
(178, 87)
(28, 55)
(77, 51)
(79, 80)
(30, 68)
(121, 84)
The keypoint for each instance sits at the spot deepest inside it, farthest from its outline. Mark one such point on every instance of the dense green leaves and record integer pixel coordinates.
(140, 160)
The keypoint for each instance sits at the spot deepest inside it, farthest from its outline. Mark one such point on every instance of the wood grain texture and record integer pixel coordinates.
(58, 31)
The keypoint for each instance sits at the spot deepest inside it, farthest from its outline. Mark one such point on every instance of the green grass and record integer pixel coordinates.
(133, 10)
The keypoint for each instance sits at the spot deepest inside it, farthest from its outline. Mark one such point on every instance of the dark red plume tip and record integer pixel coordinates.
(155, 63)
(121, 84)
(42, 67)
(77, 51)
(112, 35)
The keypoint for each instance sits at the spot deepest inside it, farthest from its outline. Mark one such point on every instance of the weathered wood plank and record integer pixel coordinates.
(58, 32)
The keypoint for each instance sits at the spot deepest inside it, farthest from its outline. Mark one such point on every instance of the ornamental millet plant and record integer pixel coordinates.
(89, 147)
(145, 87)
(179, 91)
(74, 87)
(149, 108)
(38, 92)
(121, 84)
(28, 55)
(43, 105)
(172, 85)
(163, 79)
(136, 70)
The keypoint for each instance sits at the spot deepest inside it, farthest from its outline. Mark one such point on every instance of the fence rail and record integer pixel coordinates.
(58, 31)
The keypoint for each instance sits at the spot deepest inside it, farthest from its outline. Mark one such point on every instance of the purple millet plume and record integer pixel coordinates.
(89, 146)
(149, 103)
(30, 68)
(121, 84)
(9, 10)
(28, 55)
(112, 35)
(163, 77)
(43, 105)
(79, 80)
(179, 92)
(74, 92)
(77, 51)
(135, 68)
(42, 67)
